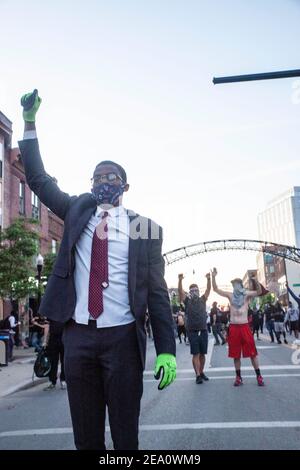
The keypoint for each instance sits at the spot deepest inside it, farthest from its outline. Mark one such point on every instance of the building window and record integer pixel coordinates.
(22, 197)
(35, 203)
(54, 246)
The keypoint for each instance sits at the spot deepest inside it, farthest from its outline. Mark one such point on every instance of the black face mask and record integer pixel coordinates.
(108, 192)
(194, 294)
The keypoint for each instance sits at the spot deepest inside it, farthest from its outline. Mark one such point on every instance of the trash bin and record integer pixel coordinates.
(4, 340)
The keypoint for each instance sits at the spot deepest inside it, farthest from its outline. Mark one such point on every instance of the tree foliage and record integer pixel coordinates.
(18, 245)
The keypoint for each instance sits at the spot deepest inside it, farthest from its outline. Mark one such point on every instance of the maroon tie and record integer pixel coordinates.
(99, 268)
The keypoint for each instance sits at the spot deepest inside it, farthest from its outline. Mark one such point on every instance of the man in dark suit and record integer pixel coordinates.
(108, 271)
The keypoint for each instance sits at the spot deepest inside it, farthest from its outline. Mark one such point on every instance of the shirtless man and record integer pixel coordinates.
(240, 338)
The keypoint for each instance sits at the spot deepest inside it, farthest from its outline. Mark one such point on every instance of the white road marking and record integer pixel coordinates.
(35, 432)
(166, 427)
(231, 377)
(231, 369)
(221, 425)
(267, 347)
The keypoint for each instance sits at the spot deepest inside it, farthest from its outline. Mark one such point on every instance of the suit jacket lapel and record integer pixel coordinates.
(81, 222)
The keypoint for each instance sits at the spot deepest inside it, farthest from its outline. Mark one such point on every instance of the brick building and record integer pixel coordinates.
(5, 143)
(17, 200)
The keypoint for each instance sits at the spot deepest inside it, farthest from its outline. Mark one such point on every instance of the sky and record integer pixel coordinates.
(131, 81)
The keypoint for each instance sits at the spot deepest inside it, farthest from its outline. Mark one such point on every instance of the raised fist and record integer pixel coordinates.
(31, 103)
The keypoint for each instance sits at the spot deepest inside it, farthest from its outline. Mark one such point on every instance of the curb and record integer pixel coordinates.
(26, 384)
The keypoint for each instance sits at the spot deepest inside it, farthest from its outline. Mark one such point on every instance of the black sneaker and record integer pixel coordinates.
(199, 379)
(204, 377)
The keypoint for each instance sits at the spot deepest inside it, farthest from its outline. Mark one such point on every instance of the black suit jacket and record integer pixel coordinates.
(146, 285)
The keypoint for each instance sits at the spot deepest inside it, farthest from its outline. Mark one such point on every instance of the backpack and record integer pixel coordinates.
(42, 365)
(5, 324)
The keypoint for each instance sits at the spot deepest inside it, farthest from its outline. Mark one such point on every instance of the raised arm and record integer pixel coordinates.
(43, 185)
(293, 294)
(222, 293)
(181, 293)
(208, 287)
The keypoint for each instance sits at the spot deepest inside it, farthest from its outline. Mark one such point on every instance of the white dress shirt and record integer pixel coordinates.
(116, 309)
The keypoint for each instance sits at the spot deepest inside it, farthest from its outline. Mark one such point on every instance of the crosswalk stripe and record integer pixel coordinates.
(165, 427)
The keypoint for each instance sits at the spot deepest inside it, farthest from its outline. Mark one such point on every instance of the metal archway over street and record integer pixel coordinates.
(284, 251)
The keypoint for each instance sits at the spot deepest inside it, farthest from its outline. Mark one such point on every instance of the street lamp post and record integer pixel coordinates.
(39, 267)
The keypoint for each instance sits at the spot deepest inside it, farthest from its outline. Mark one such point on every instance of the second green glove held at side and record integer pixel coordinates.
(165, 369)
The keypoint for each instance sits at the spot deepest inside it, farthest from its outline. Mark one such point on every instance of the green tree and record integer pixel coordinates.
(18, 244)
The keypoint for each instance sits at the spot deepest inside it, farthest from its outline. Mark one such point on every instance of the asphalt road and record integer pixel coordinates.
(186, 416)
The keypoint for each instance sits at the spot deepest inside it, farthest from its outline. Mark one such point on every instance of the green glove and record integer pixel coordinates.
(31, 103)
(165, 363)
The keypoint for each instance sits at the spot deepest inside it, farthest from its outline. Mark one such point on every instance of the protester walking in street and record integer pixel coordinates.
(295, 328)
(55, 350)
(16, 328)
(12, 324)
(240, 338)
(261, 321)
(292, 316)
(216, 324)
(195, 314)
(269, 316)
(287, 325)
(175, 306)
(181, 330)
(279, 315)
(208, 322)
(255, 322)
(108, 271)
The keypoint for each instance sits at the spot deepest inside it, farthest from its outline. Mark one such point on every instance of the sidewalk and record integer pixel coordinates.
(18, 374)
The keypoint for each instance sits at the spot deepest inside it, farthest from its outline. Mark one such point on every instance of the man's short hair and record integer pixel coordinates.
(119, 168)
(193, 286)
(238, 280)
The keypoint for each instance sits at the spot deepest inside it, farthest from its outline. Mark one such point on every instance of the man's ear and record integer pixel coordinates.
(126, 188)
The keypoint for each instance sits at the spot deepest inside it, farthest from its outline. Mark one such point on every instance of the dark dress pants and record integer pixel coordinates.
(103, 370)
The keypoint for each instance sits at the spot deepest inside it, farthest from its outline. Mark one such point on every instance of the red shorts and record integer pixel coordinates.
(240, 340)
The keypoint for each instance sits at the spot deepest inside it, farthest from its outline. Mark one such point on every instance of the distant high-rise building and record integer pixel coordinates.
(280, 223)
